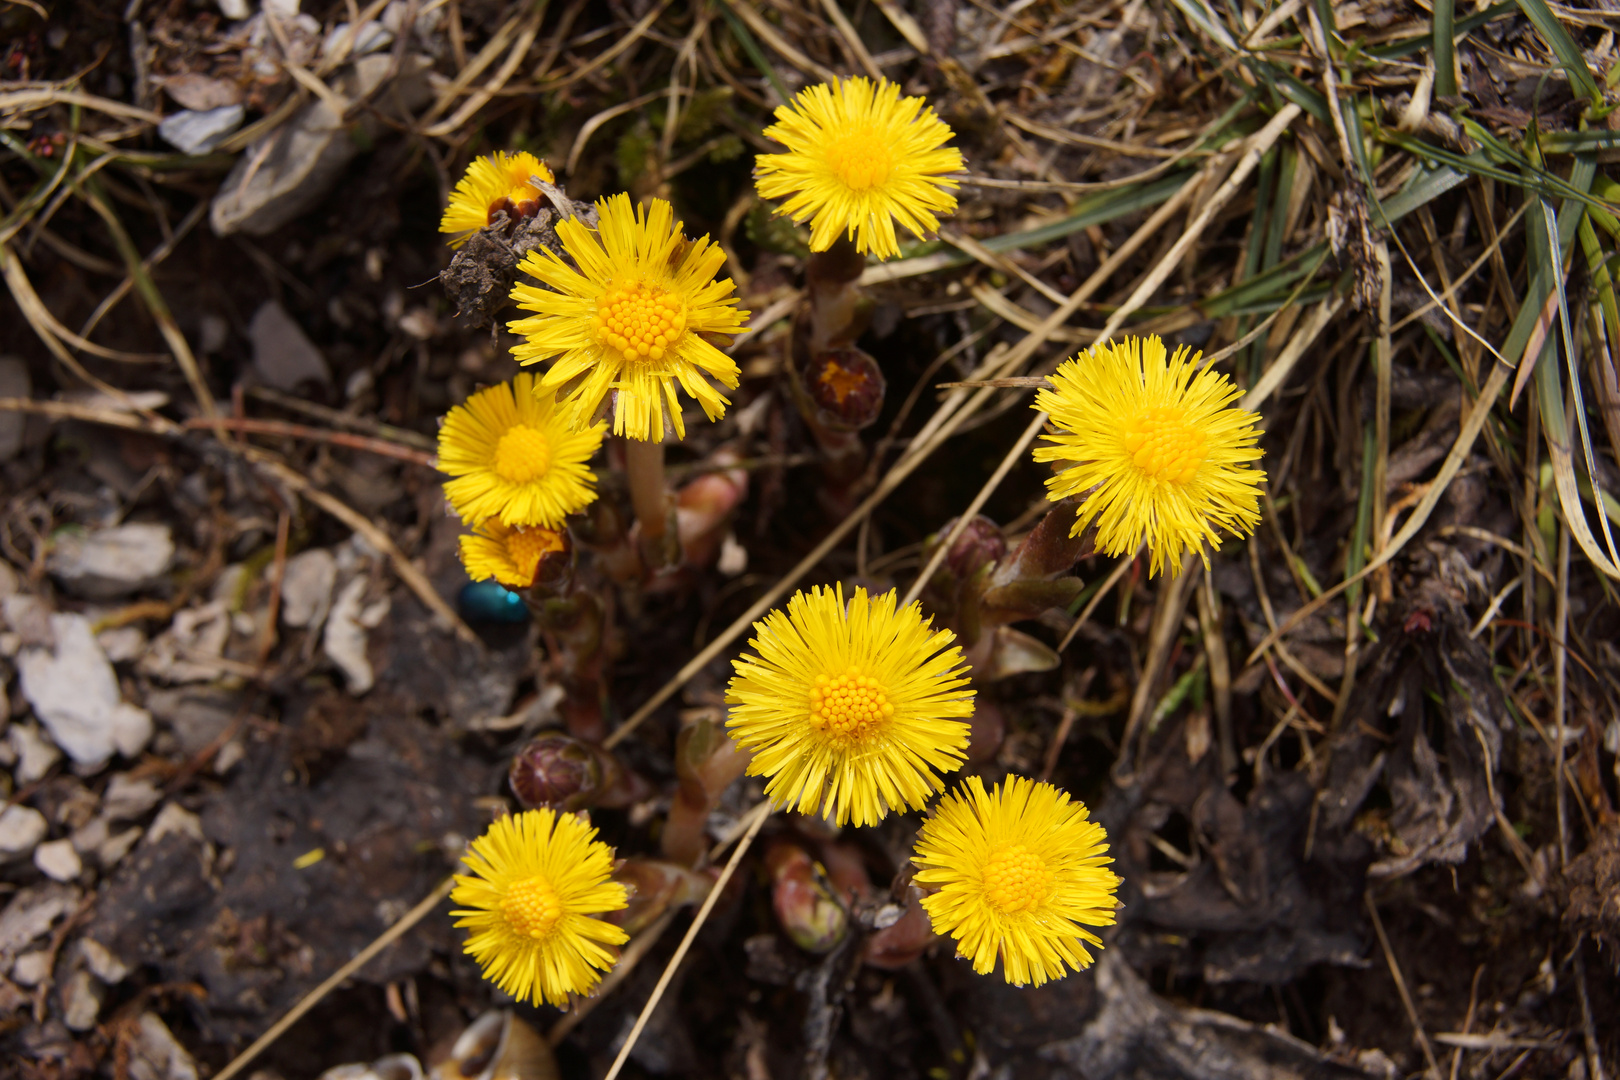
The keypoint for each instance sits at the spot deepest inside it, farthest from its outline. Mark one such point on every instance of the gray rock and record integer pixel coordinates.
(113, 562)
(14, 382)
(193, 131)
(21, 829)
(58, 861)
(197, 717)
(75, 694)
(293, 168)
(283, 355)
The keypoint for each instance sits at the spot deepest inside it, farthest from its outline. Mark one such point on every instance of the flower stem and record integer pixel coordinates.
(649, 495)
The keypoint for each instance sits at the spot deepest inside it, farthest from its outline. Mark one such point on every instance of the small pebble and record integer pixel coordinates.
(81, 1002)
(31, 968)
(21, 829)
(57, 860)
(101, 962)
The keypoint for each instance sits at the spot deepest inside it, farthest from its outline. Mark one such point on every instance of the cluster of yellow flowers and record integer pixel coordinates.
(852, 708)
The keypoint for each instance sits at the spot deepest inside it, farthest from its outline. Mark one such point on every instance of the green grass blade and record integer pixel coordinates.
(1445, 49)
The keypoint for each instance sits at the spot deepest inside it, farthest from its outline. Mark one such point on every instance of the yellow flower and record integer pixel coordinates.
(860, 157)
(515, 459)
(499, 181)
(509, 555)
(852, 709)
(631, 319)
(1021, 873)
(1165, 457)
(537, 878)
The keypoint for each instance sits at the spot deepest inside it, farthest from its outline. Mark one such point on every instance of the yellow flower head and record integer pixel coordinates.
(499, 181)
(860, 157)
(515, 459)
(509, 555)
(537, 878)
(1021, 873)
(631, 319)
(850, 708)
(1159, 447)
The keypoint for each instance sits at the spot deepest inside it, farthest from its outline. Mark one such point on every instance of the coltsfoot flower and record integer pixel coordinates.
(510, 555)
(631, 320)
(855, 709)
(860, 158)
(1021, 873)
(1159, 447)
(515, 459)
(536, 879)
(498, 181)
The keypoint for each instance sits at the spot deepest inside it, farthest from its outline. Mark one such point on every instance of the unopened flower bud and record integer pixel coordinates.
(846, 386)
(803, 900)
(980, 544)
(565, 773)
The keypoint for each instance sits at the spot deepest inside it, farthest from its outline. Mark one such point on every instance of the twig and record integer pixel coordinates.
(380, 447)
(336, 979)
(756, 819)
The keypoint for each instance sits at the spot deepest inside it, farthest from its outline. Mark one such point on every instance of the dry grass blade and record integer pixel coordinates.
(1258, 144)
(337, 978)
(756, 820)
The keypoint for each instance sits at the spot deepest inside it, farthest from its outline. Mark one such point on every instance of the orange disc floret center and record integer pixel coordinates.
(637, 320)
(522, 455)
(841, 381)
(528, 546)
(531, 907)
(1164, 443)
(1016, 879)
(861, 159)
(848, 706)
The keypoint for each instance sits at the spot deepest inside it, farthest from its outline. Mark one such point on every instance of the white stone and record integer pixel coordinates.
(31, 968)
(74, 692)
(35, 753)
(101, 962)
(174, 818)
(126, 798)
(58, 861)
(235, 10)
(200, 131)
(81, 1002)
(109, 563)
(157, 1054)
(345, 639)
(228, 756)
(122, 643)
(306, 587)
(21, 828)
(117, 846)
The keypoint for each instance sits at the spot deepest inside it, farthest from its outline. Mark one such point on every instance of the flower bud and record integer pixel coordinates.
(565, 773)
(980, 544)
(846, 386)
(803, 900)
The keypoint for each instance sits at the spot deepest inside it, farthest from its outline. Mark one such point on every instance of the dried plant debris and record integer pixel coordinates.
(1426, 731)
